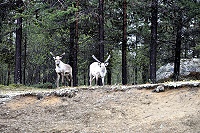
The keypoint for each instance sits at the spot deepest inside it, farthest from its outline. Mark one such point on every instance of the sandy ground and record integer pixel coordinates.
(100, 110)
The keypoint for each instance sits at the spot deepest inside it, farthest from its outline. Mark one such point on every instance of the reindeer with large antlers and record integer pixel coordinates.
(62, 69)
(98, 70)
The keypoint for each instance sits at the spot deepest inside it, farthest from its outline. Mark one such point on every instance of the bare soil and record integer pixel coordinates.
(100, 110)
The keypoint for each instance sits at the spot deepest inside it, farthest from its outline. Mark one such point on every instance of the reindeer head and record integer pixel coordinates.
(57, 58)
(104, 64)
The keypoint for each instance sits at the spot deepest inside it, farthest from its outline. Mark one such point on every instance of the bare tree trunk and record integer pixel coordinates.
(153, 45)
(8, 78)
(124, 44)
(75, 79)
(101, 34)
(179, 27)
(18, 71)
(1, 23)
(24, 67)
(39, 75)
(74, 48)
(101, 30)
(109, 69)
(84, 79)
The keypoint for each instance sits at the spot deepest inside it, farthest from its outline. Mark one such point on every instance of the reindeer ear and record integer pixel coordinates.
(106, 63)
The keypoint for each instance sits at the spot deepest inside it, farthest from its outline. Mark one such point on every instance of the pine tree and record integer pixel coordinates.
(18, 51)
(124, 44)
(153, 45)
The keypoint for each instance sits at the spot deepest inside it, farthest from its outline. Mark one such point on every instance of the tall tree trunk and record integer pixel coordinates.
(124, 44)
(109, 69)
(136, 66)
(74, 48)
(84, 79)
(8, 78)
(18, 71)
(75, 79)
(153, 45)
(2, 14)
(24, 66)
(101, 30)
(9, 63)
(39, 75)
(101, 34)
(1, 27)
(179, 27)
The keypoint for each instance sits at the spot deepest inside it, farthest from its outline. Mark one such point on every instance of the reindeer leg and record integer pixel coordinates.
(67, 79)
(62, 79)
(97, 79)
(102, 81)
(58, 78)
(91, 79)
(71, 79)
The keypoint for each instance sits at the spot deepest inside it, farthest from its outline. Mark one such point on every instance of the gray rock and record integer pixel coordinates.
(159, 89)
(65, 92)
(187, 66)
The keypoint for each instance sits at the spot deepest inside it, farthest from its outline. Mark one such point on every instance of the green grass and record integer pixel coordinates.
(17, 87)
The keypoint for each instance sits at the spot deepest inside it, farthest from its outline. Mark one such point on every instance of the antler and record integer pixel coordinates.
(107, 58)
(52, 54)
(95, 58)
(62, 54)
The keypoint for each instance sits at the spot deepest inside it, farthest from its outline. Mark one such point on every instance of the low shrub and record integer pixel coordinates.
(16, 85)
(47, 85)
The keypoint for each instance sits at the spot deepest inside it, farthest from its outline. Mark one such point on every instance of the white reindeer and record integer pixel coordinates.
(62, 69)
(98, 70)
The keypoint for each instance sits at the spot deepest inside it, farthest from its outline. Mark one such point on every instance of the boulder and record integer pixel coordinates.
(188, 68)
(159, 88)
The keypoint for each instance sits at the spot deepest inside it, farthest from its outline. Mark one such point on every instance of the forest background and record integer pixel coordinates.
(140, 36)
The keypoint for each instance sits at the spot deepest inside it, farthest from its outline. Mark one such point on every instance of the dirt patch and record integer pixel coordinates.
(50, 101)
(24, 102)
(19, 102)
(101, 110)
